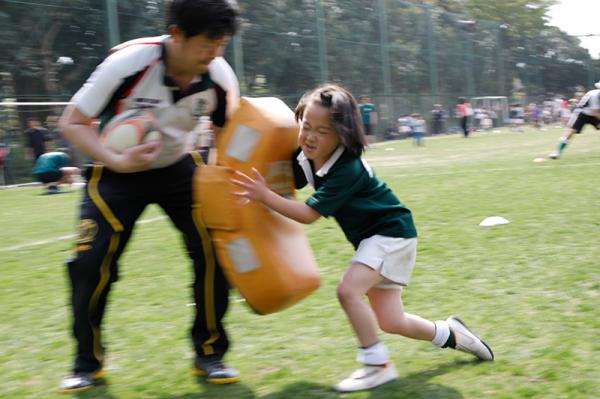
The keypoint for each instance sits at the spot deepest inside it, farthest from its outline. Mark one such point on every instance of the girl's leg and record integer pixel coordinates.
(389, 310)
(355, 283)
(376, 368)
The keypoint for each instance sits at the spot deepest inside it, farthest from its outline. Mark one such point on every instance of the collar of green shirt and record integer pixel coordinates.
(307, 169)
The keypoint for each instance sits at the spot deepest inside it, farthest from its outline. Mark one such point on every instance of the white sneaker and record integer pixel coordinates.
(554, 155)
(468, 342)
(368, 377)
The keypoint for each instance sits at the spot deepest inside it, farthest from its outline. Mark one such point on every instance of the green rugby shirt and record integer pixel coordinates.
(347, 189)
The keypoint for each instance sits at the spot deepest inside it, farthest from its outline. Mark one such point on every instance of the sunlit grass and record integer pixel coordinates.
(530, 288)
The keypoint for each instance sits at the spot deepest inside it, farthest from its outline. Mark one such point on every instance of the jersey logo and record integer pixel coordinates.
(143, 103)
(88, 229)
(200, 108)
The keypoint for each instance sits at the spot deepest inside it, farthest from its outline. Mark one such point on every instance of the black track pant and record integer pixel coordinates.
(111, 205)
(464, 125)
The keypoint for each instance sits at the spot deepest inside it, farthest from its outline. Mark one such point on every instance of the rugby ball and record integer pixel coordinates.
(131, 129)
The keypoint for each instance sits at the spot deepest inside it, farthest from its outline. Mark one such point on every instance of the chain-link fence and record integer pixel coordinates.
(406, 56)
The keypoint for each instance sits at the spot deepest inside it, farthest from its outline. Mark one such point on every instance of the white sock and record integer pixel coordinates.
(442, 333)
(376, 354)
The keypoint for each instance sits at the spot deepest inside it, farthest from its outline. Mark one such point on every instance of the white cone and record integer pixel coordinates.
(493, 221)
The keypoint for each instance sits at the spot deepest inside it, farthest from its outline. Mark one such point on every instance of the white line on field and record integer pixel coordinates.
(556, 164)
(67, 237)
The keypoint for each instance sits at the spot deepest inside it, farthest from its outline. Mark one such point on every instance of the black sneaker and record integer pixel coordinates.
(215, 371)
(81, 381)
(52, 190)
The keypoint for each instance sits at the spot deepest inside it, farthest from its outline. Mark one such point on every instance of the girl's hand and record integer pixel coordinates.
(254, 189)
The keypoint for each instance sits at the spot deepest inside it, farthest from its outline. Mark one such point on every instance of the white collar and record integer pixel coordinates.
(305, 164)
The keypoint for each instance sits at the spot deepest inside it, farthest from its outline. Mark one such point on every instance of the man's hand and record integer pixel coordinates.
(135, 159)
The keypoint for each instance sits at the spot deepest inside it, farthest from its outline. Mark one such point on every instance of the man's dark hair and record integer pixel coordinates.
(212, 18)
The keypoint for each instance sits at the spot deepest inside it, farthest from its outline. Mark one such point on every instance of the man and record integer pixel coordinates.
(587, 112)
(367, 111)
(36, 137)
(180, 77)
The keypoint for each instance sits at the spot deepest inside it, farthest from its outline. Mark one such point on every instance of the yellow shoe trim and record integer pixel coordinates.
(75, 390)
(223, 380)
(100, 374)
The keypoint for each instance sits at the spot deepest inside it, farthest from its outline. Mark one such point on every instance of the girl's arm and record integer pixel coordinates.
(256, 190)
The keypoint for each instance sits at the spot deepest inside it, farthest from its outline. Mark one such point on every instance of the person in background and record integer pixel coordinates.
(36, 137)
(586, 113)
(369, 115)
(463, 113)
(5, 177)
(419, 128)
(53, 169)
(438, 116)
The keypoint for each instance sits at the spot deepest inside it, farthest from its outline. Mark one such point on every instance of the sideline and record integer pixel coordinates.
(67, 237)
(554, 164)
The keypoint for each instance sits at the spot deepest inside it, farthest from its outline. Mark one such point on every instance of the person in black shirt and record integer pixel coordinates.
(36, 137)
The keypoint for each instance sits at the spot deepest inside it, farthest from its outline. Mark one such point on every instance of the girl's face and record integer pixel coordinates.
(318, 138)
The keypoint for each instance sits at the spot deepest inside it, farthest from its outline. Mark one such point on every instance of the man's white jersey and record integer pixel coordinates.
(590, 102)
(133, 77)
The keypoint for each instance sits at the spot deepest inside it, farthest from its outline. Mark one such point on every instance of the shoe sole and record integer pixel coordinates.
(390, 379)
(220, 381)
(340, 390)
(480, 340)
(99, 375)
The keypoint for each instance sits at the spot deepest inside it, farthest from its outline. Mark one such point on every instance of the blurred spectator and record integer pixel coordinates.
(53, 169)
(463, 113)
(565, 112)
(517, 117)
(493, 115)
(486, 121)
(419, 128)
(404, 128)
(5, 177)
(392, 133)
(536, 115)
(438, 116)
(369, 115)
(36, 137)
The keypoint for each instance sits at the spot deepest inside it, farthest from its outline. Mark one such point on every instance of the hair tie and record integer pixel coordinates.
(326, 98)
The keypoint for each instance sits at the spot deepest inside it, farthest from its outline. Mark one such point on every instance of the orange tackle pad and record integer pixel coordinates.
(265, 255)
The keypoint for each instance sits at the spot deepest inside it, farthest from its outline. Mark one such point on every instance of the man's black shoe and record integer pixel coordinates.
(215, 371)
(81, 381)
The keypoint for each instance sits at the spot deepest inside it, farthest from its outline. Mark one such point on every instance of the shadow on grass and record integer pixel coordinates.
(413, 386)
(212, 391)
(100, 390)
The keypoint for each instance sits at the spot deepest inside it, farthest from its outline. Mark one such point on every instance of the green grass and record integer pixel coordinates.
(530, 288)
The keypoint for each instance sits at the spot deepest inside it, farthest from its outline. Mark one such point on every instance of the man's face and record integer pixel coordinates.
(199, 51)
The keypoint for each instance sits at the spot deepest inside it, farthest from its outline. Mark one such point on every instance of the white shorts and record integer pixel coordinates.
(394, 258)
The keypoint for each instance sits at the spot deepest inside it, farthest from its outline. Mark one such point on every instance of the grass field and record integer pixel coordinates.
(530, 288)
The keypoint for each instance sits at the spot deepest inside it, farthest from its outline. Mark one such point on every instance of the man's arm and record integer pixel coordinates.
(76, 128)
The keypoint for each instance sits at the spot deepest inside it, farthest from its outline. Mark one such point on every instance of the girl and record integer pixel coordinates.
(373, 219)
